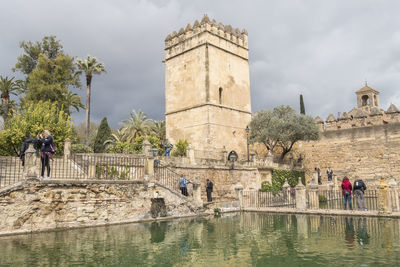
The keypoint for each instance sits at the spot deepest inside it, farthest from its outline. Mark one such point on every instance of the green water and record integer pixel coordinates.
(236, 239)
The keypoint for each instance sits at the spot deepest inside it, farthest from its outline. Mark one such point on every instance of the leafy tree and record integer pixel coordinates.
(137, 125)
(282, 127)
(35, 118)
(89, 66)
(8, 86)
(27, 62)
(302, 108)
(50, 81)
(181, 147)
(103, 134)
(50, 73)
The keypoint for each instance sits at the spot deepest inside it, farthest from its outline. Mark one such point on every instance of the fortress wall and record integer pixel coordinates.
(369, 152)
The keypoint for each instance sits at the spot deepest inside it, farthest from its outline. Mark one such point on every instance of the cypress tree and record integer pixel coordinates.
(302, 108)
(103, 133)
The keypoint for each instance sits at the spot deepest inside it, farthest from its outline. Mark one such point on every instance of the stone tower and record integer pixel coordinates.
(207, 86)
(367, 96)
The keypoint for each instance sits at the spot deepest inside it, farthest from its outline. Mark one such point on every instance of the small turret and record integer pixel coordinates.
(392, 109)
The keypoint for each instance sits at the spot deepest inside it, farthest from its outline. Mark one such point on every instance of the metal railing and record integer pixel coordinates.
(102, 166)
(78, 167)
(11, 170)
(259, 199)
(333, 199)
(167, 177)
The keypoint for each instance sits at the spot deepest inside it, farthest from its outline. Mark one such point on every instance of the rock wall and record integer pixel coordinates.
(34, 206)
(368, 152)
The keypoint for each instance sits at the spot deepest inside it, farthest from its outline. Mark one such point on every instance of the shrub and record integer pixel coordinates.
(279, 177)
(138, 142)
(181, 147)
(322, 198)
(34, 119)
(103, 134)
(81, 148)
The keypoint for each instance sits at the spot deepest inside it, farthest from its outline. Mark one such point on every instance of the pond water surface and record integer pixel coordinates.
(235, 239)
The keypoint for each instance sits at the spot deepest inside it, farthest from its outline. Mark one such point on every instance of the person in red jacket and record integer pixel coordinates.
(346, 192)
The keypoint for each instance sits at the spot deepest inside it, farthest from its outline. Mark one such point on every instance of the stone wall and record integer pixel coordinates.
(225, 179)
(35, 206)
(368, 152)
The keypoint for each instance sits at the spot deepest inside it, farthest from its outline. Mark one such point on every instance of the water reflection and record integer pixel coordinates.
(232, 239)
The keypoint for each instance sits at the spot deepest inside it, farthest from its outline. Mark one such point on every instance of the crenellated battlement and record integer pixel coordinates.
(368, 113)
(210, 32)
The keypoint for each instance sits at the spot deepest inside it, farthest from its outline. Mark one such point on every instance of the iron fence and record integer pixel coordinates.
(78, 167)
(333, 199)
(11, 170)
(259, 199)
(167, 177)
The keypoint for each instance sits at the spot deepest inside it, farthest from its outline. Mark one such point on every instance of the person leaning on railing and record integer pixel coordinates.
(358, 189)
(183, 185)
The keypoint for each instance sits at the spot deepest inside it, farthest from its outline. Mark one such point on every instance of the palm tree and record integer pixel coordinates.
(137, 125)
(89, 66)
(158, 129)
(8, 86)
(116, 137)
(73, 100)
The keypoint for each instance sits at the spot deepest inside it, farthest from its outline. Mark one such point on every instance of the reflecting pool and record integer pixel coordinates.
(235, 239)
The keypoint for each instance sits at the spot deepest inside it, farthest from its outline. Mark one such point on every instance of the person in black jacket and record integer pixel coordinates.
(25, 145)
(46, 145)
(358, 189)
(209, 189)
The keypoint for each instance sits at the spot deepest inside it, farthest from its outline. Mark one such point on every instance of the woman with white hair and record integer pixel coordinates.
(46, 144)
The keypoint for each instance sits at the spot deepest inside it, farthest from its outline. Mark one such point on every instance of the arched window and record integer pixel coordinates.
(220, 95)
(365, 100)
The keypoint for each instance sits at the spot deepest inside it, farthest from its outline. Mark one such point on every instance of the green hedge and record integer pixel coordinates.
(81, 148)
(280, 176)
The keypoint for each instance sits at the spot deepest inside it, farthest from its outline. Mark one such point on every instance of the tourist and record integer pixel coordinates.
(358, 189)
(47, 149)
(318, 171)
(209, 189)
(329, 172)
(183, 185)
(167, 148)
(25, 145)
(346, 192)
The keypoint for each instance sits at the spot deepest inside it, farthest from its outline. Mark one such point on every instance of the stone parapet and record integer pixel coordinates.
(207, 32)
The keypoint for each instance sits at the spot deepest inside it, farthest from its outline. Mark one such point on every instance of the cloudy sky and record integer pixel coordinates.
(324, 50)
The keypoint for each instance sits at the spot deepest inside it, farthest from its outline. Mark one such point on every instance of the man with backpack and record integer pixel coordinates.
(358, 189)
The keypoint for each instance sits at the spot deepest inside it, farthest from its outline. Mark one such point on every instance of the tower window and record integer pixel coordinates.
(365, 100)
(220, 96)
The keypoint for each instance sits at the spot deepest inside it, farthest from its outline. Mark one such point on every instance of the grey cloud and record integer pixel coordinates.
(322, 49)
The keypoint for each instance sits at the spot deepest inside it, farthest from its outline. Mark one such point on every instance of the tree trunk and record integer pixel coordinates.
(5, 102)
(88, 82)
